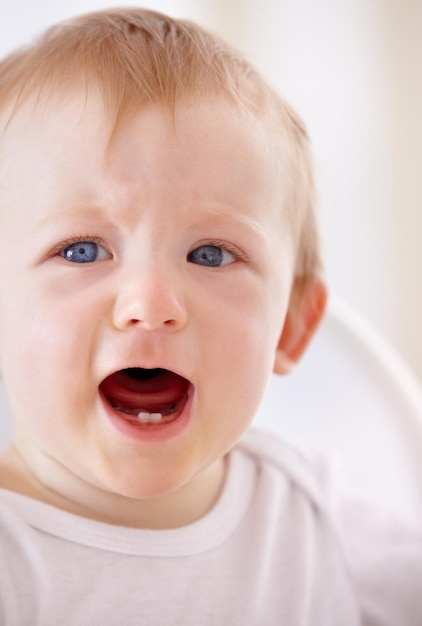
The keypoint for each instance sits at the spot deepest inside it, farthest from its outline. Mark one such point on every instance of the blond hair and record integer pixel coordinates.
(137, 56)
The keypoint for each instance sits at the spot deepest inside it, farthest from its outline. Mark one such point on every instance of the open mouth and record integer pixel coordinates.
(146, 396)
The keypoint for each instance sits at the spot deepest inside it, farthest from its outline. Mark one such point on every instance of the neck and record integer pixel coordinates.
(65, 491)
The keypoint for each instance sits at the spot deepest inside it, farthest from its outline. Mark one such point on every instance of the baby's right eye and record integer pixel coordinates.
(85, 252)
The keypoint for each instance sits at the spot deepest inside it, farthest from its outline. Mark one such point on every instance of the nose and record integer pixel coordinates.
(151, 300)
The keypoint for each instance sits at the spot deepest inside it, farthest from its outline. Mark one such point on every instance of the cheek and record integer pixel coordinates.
(40, 344)
(242, 340)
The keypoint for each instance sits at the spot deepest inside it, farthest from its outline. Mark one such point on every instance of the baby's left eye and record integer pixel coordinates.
(210, 256)
(85, 252)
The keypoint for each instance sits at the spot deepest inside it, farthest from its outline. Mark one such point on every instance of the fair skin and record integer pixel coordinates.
(150, 201)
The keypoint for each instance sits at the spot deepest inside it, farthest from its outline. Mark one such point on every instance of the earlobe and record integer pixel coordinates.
(306, 309)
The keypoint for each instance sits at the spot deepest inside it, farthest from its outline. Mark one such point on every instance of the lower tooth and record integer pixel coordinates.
(149, 417)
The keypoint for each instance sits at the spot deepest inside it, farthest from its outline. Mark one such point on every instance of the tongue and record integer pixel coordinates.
(144, 390)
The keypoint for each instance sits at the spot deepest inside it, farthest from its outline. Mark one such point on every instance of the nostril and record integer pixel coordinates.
(148, 306)
(171, 323)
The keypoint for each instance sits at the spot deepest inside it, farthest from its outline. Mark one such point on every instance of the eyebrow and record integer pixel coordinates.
(68, 213)
(210, 214)
(231, 215)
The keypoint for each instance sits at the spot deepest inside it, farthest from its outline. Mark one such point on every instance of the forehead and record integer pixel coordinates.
(210, 147)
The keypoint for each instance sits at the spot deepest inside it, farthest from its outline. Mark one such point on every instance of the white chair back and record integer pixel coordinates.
(354, 398)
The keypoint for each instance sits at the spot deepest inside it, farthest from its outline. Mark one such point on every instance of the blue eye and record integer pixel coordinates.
(85, 252)
(210, 256)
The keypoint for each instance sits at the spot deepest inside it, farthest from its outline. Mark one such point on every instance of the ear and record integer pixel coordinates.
(307, 305)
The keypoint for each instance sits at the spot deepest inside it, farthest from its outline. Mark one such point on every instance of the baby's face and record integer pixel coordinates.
(163, 247)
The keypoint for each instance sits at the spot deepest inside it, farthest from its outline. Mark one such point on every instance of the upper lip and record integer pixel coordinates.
(134, 365)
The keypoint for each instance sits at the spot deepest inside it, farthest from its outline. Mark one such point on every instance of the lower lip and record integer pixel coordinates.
(152, 432)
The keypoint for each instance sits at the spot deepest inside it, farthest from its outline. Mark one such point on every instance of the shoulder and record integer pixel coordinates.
(302, 472)
(381, 554)
(313, 479)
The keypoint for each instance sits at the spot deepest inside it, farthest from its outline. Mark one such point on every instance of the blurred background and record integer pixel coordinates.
(353, 70)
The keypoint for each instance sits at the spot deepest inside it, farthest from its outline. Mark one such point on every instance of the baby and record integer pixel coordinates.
(159, 259)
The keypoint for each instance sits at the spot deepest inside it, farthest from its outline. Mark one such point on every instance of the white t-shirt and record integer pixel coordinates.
(279, 548)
